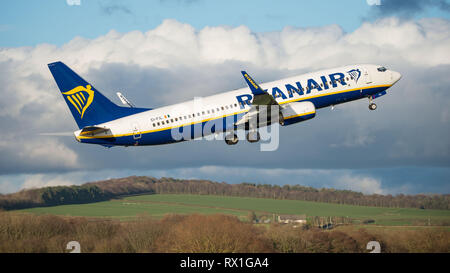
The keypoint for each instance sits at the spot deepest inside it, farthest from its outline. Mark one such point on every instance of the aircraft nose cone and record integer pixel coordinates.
(395, 76)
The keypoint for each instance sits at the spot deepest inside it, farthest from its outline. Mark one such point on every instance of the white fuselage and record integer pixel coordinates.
(323, 88)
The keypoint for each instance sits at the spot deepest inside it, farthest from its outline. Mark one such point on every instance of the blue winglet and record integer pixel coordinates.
(256, 89)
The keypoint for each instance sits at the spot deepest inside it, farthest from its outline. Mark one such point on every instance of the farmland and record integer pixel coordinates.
(213, 223)
(158, 205)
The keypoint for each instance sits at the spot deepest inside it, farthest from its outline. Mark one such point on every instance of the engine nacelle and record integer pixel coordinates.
(297, 112)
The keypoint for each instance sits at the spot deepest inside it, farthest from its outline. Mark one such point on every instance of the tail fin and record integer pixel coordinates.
(88, 106)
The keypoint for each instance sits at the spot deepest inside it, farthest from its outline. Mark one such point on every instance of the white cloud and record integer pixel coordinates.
(40, 181)
(384, 181)
(405, 41)
(367, 185)
(37, 152)
(174, 44)
(175, 61)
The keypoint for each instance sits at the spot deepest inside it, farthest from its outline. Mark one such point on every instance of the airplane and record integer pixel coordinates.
(286, 101)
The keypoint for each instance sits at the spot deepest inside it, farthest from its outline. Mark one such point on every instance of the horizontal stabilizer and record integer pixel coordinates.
(94, 131)
(124, 100)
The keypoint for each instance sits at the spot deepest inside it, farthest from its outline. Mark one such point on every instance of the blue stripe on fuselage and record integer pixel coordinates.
(165, 136)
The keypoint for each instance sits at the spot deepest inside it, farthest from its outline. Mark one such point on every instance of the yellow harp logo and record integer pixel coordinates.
(80, 97)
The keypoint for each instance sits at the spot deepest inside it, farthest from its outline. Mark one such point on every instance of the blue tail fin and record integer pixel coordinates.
(88, 106)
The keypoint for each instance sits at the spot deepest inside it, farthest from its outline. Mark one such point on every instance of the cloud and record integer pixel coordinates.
(407, 8)
(35, 154)
(14, 183)
(175, 62)
(110, 8)
(40, 181)
(367, 185)
(412, 180)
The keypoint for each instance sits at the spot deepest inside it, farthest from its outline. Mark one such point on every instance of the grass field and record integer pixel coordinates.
(157, 205)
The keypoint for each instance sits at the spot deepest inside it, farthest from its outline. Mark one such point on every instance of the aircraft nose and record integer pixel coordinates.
(395, 76)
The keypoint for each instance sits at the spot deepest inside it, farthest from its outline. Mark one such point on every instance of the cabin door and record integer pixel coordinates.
(367, 77)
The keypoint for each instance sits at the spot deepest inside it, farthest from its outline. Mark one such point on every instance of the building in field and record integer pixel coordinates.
(294, 219)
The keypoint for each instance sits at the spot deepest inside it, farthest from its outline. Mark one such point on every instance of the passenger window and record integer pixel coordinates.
(176, 119)
(235, 105)
(158, 123)
(203, 112)
(212, 111)
(222, 108)
(207, 111)
(162, 122)
(153, 125)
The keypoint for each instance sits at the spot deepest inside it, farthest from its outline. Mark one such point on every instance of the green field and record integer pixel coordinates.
(157, 205)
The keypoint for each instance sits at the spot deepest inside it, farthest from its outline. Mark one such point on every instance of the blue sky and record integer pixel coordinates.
(27, 23)
(148, 49)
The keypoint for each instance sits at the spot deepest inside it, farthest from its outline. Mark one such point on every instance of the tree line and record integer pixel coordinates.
(115, 188)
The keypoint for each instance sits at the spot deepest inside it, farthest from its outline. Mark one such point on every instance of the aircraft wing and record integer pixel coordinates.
(260, 97)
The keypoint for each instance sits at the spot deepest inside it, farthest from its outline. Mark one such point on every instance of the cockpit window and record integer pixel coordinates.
(381, 69)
